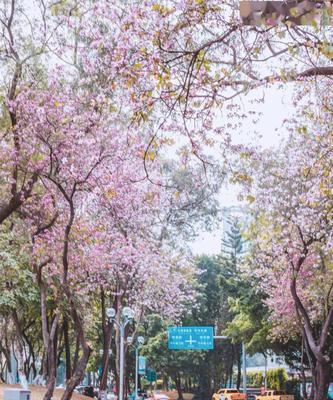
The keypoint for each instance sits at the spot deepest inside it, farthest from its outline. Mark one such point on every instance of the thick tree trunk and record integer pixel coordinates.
(51, 380)
(78, 374)
(322, 380)
(315, 342)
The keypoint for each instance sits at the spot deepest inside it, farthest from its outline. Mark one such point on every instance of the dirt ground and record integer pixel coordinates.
(37, 392)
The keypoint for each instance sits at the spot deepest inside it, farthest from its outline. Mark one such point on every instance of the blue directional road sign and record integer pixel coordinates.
(191, 338)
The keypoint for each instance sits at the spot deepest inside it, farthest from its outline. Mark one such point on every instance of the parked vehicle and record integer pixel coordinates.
(229, 394)
(275, 395)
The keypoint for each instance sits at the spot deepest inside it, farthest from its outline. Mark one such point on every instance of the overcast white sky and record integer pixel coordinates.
(277, 106)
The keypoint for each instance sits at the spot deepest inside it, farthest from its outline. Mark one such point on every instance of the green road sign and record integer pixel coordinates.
(151, 375)
(191, 338)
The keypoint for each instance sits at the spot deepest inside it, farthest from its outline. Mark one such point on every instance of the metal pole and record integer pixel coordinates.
(265, 371)
(244, 367)
(136, 371)
(121, 372)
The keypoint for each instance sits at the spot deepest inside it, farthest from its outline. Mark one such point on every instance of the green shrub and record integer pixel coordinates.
(277, 378)
(255, 379)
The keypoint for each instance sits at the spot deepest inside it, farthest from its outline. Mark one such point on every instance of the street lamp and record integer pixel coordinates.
(139, 342)
(127, 317)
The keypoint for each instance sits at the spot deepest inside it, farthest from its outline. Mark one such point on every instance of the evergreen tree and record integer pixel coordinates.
(232, 241)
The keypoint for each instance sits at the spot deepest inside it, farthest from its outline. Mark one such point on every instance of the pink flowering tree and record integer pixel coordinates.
(96, 221)
(292, 249)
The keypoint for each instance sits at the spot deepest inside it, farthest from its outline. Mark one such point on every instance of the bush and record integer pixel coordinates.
(277, 378)
(255, 379)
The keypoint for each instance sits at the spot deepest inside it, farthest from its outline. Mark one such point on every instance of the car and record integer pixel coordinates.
(275, 395)
(228, 394)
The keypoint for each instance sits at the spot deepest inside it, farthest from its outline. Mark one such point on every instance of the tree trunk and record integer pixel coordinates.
(51, 380)
(32, 366)
(20, 365)
(315, 342)
(78, 321)
(20, 351)
(179, 387)
(106, 329)
(6, 352)
(302, 373)
(86, 350)
(322, 379)
(78, 374)
(67, 349)
(76, 355)
(49, 341)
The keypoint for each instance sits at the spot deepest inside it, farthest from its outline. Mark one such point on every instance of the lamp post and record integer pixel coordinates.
(127, 316)
(139, 342)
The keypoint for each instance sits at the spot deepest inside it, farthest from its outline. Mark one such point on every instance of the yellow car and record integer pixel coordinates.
(228, 394)
(275, 395)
